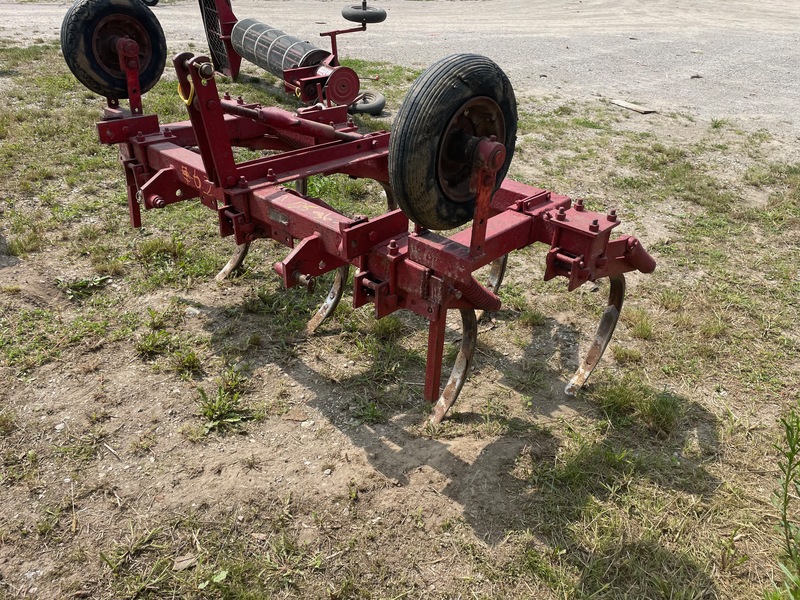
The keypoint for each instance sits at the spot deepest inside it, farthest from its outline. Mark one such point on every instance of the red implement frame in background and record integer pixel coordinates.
(418, 270)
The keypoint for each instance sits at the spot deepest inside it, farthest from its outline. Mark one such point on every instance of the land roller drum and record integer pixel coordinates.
(277, 52)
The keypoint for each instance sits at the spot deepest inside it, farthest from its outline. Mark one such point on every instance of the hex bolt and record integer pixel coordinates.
(595, 226)
(562, 214)
(612, 216)
(227, 96)
(158, 202)
(393, 248)
(239, 100)
(271, 175)
(579, 205)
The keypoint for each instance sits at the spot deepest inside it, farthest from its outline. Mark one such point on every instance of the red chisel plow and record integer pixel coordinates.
(442, 166)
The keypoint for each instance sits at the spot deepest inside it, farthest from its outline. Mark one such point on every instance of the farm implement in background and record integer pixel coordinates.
(443, 165)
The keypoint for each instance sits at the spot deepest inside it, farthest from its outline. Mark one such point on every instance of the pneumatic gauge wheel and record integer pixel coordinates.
(361, 13)
(89, 33)
(453, 104)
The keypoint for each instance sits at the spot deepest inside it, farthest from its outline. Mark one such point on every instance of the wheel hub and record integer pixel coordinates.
(479, 117)
(104, 40)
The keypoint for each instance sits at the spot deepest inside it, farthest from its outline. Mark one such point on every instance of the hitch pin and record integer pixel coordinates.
(206, 69)
(308, 281)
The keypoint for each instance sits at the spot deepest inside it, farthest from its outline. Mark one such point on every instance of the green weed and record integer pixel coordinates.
(126, 551)
(640, 323)
(82, 288)
(785, 499)
(369, 413)
(154, 343)
(186, 363)
(222, 412)
(286, 563)
(626, 356)
(627, 400)
(8, 422)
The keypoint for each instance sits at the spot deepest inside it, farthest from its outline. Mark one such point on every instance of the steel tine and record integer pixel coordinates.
(235, 262)
(331, 300)
(469, 339)
(608, 322)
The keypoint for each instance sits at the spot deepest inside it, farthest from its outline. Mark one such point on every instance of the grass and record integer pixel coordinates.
(222, 411)
(32, 337)
(784, 500)
(654, 483)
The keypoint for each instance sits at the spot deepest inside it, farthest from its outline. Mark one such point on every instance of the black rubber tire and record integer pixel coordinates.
(370, 103)
(431, 104)
(96, 70)
(357, 14)
(150, 2)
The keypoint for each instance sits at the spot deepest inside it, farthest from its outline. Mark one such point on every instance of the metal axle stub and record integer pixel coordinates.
(469, 339)
(605, 330)
(235, 263)
(331, 300)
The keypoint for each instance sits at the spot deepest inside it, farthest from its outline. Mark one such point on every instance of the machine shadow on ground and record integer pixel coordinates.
(513, 471)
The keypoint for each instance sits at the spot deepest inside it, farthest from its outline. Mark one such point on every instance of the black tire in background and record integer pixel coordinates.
(357, 14)
(88, 32)
(370, 103)
(427, 175)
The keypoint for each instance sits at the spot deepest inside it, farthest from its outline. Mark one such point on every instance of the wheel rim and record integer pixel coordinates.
(477, 118)
(104, 40)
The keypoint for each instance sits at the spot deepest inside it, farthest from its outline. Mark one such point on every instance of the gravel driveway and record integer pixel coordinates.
(736, 59)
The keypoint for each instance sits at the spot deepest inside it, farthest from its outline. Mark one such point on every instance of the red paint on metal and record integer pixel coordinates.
(420, 271)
